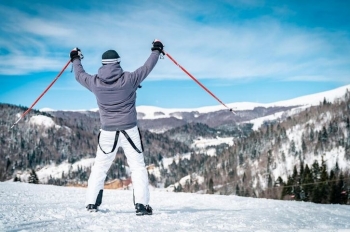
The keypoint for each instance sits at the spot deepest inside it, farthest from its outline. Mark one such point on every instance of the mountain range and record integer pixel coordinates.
(253, 151)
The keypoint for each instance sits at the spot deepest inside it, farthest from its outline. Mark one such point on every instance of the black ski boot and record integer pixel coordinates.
(143, 210)
(92, 208)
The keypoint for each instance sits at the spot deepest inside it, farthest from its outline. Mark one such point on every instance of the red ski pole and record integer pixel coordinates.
(22, 116)
(200, 84)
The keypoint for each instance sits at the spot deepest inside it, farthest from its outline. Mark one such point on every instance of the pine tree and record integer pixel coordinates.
(324, 101)
(211, 186)
(324, 135)
(341, 188)
(334, 196)
(33, 178)
(312, 135)
(324, 187)
(269, 183)
(292, 147)
(308, 181)
(237, 190)
(303, 146)
(317, 194)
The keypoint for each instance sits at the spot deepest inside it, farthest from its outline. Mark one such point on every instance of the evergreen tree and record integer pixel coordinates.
(334, 196)
(324, 135)
(303, 146)
(312, 135)
(307, 181)
(316, 170)
(33, 178)
(211, 186)
(324, 101)
(324, 187)
(341, 188)
(288, 189)
(292, 147)
(178, 188)
(269, 183)
(237, 190)
(317, 194)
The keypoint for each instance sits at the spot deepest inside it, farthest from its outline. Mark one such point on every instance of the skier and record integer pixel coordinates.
(115, 92)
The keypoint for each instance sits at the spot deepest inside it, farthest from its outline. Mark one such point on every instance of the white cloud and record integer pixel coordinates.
(257, 48)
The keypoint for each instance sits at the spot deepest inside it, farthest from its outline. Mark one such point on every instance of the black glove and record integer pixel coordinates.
(157, 45)
(76, 54)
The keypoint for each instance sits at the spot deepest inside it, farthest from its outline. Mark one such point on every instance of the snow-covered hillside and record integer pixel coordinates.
(152, 112)
(164, 119)
(56, 171)
(30, 207)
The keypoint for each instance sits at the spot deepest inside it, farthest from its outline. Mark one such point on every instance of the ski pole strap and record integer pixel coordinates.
(114, 145)
(131, 142)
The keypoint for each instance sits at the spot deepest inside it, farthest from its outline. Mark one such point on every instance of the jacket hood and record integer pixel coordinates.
(109, 73)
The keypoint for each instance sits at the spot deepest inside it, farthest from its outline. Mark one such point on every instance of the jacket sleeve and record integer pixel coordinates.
(81, 76)
(141, 73)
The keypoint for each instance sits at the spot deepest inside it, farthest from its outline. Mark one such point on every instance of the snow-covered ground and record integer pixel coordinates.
(203, 143)
(29, 207)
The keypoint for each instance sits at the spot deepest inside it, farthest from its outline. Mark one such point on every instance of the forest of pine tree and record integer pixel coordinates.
(317, 184)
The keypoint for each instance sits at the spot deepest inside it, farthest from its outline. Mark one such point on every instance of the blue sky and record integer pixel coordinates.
(244, 50)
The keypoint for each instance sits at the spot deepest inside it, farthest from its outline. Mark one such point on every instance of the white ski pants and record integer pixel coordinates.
(104, 161)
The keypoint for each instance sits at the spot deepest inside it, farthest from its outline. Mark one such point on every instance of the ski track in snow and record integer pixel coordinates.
(29, 207)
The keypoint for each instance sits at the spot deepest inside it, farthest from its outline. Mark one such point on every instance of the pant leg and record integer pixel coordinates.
(139, 174)
(101, 166)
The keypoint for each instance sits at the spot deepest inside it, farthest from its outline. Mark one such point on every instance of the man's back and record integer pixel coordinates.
(115, 91)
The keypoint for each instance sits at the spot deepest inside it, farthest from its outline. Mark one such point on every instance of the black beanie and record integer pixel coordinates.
(110, 57)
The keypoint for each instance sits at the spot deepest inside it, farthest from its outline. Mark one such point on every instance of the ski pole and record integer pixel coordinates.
(200, 84)
(22, 116)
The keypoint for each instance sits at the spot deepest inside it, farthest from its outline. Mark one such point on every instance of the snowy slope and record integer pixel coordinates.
(29, 207)
(153, 112)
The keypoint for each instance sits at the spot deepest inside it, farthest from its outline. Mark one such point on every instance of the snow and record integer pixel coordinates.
(203, 143)
(304, 102)
(42, 120)
(194, 177)
(167, 161)
(257, 122)
(47, 109)
(30, 207)
(211, 152)
(56, 171)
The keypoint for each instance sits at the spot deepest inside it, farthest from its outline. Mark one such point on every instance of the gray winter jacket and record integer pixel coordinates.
(115, 91)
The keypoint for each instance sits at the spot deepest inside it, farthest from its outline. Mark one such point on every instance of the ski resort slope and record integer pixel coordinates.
(29, 207)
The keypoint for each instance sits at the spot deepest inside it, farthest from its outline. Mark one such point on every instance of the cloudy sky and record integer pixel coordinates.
(243, 50)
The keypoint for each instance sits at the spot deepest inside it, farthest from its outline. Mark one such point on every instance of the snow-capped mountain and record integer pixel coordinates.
(157, 119)
(161, 119)
(152, 112)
